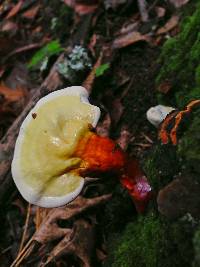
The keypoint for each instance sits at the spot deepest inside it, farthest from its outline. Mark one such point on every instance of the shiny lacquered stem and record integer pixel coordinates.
(101, 154)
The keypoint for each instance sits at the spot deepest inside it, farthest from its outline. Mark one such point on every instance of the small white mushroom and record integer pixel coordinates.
(44, 166)
(155, 115)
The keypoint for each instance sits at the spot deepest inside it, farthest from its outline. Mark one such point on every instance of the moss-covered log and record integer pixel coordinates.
(156, 239)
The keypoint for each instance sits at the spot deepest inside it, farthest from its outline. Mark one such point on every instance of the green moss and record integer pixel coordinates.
(180, 59)
(161, 165)
(196, 242)
(150, 241)
(189, 145)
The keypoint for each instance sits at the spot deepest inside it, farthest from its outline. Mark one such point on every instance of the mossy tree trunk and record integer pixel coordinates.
(158, 239)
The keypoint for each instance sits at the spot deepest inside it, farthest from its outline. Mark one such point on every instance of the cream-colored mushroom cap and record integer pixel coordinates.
(155, 115)
(44, 166)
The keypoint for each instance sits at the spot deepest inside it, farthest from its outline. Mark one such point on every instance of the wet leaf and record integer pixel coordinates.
(103, 127)
(31, 13)
(101, 69)
(128, 39)
(160, 11)
(82, 7)
(48, 50)
(80, 241)
(11, 100)
(9, 26)
(178, 3)
(49, 229)
(164, 87)
(11, 95)
(15, 10)
(171, 24)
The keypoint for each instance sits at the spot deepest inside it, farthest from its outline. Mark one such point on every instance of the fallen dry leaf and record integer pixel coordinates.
(79, 242)
(83, 7)
(49, 229)
(31, 13)
(164, 87)
(128, 39)
(15, 10)
(103, 127)
(124, 138)
(116, 110)
(129, 27)
(9, 26)
(11, 101)
(178, 3)
(160, 11)
(11, 95)
(171, 24)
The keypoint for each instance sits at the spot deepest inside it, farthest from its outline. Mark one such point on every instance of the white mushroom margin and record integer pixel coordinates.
(26, 191)
(155, 115)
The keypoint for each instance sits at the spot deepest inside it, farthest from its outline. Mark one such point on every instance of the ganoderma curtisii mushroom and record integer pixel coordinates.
(56, 148)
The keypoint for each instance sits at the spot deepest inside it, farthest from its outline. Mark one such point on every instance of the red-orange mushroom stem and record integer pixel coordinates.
(101, 154)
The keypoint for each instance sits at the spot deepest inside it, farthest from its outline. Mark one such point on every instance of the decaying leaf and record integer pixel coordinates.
(103, 127)
(31, 13)
(171, 24)
(116, 110)
(9, 26)
(79, 242)
(128, 39)
(83, 7)
(49, 229)
(178, 3)
(124, 138)
(15, 10)
(164, 87)
(160, 11)
(75, 240)
(9, 97)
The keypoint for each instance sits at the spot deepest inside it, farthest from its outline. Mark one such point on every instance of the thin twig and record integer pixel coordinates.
(88, 83)
(25, 227)
(28, 250)
(22, 253)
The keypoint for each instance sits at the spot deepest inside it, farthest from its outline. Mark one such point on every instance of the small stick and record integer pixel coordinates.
(25, 227)
(29, 249)
(88, 83)
(37, 218)
(22, 253)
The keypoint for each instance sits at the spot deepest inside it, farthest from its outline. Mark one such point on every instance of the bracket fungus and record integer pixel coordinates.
(56, 148)
(43, 166)
(169, 119)
(155, 115)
